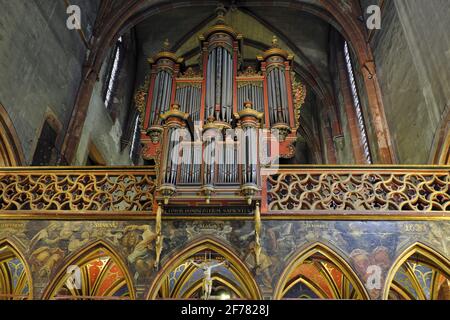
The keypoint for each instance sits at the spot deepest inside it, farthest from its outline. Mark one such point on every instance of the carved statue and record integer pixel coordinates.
(257, 248)
(207, 280)
(159, 236)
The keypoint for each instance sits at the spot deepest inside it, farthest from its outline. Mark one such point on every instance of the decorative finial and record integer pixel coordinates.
(275, 42)
(221, 11)
(166, 45)
(211, 119)
(248, 105)
(175, 106)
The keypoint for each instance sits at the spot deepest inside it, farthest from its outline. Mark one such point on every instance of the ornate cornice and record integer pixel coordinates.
(174, 112)
(214, 124)
(275, 50)
(248, 111)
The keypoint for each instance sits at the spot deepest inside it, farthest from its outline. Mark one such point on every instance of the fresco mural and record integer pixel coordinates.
(319, 278)
(368, 247)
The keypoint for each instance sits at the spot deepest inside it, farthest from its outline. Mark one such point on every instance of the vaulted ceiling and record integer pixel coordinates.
(302, 26)
(301, 33)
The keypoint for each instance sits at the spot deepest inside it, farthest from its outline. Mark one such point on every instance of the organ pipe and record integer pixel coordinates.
(219, 84)
(210, 101)
(249, 120)
(251, 92)
(189, 98)
(278, 102)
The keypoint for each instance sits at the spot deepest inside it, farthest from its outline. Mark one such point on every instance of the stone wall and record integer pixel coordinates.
(109, 129)
(41, 63)
(412, 55)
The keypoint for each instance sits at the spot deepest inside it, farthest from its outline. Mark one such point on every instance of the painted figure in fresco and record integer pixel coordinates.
(281, 237)
(44, 259)
(47, 254)
(266, 261)
(75, 243)
(265, 264)
(140, 255)
(48, 235)
(364, 263)
(207, 280)
(142, 247)
(175, 235)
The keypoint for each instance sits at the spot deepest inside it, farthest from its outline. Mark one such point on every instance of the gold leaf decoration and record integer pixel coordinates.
(299, 97)
(361, 191)
(78, 191)
(140, 97)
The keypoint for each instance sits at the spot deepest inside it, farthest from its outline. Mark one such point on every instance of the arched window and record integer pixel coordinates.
(135, 140)
(420, 274)
(184, 278)
(113, 73)
(318, 273)
(357, 104)
(15, 278)
(94, 273)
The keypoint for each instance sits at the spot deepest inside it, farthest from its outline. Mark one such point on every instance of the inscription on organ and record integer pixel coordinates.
(207, 211)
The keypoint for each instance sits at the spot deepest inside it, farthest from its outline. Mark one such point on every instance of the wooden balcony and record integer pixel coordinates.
(365, 192)
(287, 192)
(76, 192)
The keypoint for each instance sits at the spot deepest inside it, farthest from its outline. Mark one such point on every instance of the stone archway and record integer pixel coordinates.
(419, 273)
(10, 150)
(121, 18)
(237, 279)
(101, 271)
(319, 272)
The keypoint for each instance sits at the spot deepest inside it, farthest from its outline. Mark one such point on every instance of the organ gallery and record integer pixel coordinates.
(238, 150)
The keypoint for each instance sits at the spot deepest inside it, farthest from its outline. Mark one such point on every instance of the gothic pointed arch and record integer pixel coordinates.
(15, 276)
(318, 272)
(94, 272)
(180, 279)
(440, 153)
(123, 17)
(11, 154)
(419, 273)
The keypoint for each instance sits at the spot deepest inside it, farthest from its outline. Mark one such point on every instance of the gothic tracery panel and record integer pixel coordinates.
(78, 191)
(422, 276)
(387, 191)
(15, 281)
(317, 273)
(94, 274)
(205, 263)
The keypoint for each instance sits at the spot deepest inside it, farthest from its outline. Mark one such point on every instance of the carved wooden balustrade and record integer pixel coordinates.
(297, 192)
(80, 191)
(376, 190)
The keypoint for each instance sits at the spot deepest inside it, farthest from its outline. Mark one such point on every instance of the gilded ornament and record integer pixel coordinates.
(299, 96)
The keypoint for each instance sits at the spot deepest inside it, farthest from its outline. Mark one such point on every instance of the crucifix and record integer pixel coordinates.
(207, 266)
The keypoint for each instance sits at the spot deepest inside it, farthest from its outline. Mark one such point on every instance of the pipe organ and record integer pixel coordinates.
(208, 130)
(219, 84)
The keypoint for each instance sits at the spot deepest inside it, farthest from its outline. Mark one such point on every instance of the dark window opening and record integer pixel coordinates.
(113, 74)
(91, 162)
(46, 153)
